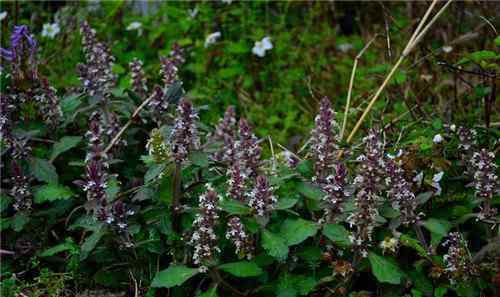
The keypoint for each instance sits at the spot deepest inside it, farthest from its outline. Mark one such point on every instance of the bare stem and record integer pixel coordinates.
(119, 134)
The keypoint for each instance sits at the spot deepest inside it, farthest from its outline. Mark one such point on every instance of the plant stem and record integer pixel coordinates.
(177, 195)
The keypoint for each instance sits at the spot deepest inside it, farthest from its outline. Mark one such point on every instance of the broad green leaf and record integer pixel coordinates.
(90, 243)
(338, 234)
(385, 269)
(199, 159)
(275, 245)
(294, 285)
(64, 144)
(52, 192)
(497, 41)
(438, 228)
(173, 276)
(153, 172)
(234, 207)
(286, 203)
(310, 191)
(44, 171)
(297, 230)
(242, 269)
(5, 201)
(65, 246)
(19, 221)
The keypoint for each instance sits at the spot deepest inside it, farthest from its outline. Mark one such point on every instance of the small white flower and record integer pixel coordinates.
(438, 138)
(447, 49)
(193, 12)
(260, 47)
(50, 30)
(398, 154)
(345, 47)
(3, 15)
(212, 38)
(419, 178)
(453, 127)
(135, 26)
(435, 182)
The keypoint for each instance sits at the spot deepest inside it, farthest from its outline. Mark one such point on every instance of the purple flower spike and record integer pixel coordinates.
(261, 198)
(336, 192)
(138, 78)
(184, 135)
(241, 240)
(20, 188)
(248, 149)
(324, 140)
(485, 181)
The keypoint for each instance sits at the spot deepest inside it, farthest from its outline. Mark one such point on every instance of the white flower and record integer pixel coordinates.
(453, 127)
(262, 46)
(227, 1)
(398, 154)
(193, 12)
(3, 15)
(345, 47)
(447, 49)
(438, 138)
(212, 38)
(135, 26)
(50, 30)
(419, 178)
(435, 182)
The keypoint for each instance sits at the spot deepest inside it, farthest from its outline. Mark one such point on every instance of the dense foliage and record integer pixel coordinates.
(181, 162)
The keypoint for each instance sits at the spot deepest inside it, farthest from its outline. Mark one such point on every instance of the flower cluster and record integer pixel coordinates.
(157, 147)
(241, 240)
(236, 182)
(96, 74)
(400, 194)
(158, 104)
(49, 103)
(168, 71)
(225, 132)
(334, 187)
(485, 181)
(323, 141)
(96, 175)
(261, 198)
(20, 188)
(458, 260)
(467, 138)
(138, 78)
(368, 182)
(117, 218)
(21, 54)
(204, 239)
(184, 134)
(248, 149)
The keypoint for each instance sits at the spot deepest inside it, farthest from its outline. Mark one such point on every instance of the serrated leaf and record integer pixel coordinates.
(52, 192)
(173, 276)
(234, 207)
(64, 144)
(338, 234)
(310, 191)
(385, 269)
(297, 230)
(275, 245)
(44, 171)
(242, 269)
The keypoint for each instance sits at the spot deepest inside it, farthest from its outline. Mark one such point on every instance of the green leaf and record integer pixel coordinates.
(438, 228)
(52, 192)
(19, 221)
(310, 191)
(90, 243)
(44, 171)
(242, 269)
(153, 172)
(212, 292)
(64, 144)
(173, 276)
(338, 234)
(482, 55)
(293, 285)
(497, 41)
(275, 245)
(65, 246)
(297, 230)
(199, 159)
(385, 269)
(234, 207)
(286, 203)
(5, 202)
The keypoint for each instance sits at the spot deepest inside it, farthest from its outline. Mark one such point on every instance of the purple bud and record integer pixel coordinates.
(184, 135)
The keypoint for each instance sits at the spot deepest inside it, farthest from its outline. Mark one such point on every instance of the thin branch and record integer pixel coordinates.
(351, 82)
(130, 121)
